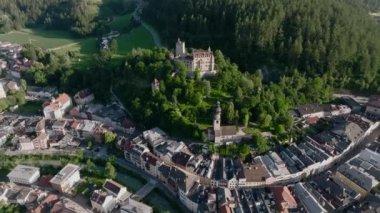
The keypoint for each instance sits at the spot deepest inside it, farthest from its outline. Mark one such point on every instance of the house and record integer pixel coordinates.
(24, 174)
(373, 105)
(150, 163)
(25, 144)
(154, 136)
(198, 60)
(354, 105)
(134, 153)
(307, 199)
(11, 85)
(229, 173)
(311, 110)
(285, 202)
(102, 202)
(57, 107)
(25, 196)
(67, 178)
(46, 204)
(3, 94)
(40, 127)
(3, 137)
(223, 134)
(40, 142)
(132, 206)
(155, 85)
(41, 93)
(84, 97)
(59, 127)
(3, 65)
(116, 190)
(181, 159)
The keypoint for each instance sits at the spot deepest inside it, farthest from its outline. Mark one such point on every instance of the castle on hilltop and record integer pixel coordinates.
(202, 60)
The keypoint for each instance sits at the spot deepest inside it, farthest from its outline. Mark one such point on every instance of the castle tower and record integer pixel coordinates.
(217, 117)
(180, 48)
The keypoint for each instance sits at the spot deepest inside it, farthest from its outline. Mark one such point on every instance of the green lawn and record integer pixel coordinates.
(161, 203)
(138, 37)
(133, 184)
(45, 39)
(120, 22)
(84, 48)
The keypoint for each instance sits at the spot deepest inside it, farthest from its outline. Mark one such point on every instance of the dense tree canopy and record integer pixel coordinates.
(184, 106)
(332, 37)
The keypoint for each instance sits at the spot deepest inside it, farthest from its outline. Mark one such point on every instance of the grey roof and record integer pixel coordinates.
(22, 171)
(65, 173)
(133, 206)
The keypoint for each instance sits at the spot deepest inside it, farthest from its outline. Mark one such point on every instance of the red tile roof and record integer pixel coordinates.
(63, 98)
(45, 181)
(150, 158)
(284, 199)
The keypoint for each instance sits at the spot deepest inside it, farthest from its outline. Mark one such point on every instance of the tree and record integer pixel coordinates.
(109, 137)
(23, 85)
(245, 117)
(90, 143)
(90, 166)
(261, 143)
(243, 150)
(110, 171)
(114, 46)
(239, 95)
(230, 112)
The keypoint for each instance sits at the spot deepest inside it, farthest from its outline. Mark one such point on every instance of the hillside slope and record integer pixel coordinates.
(316, 37)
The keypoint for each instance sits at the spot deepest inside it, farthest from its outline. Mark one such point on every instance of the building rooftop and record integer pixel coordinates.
(132, 206)
(181, 158)
(65, 173)
(99, 196)
(374, 101)
(112, 186)
(22, 171)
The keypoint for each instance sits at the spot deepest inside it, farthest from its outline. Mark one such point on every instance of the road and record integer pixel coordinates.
(150, 29)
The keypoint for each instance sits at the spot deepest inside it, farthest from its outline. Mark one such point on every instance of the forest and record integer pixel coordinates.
(336, 38)
(81, 17)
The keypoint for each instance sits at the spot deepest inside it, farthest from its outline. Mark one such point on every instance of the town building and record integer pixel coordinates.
(102, 202)
(285, 202)
(354, 105)
(118, 191)
(373, 105)
(132, 206)
(3, 93)
(41, 93)
(150, 163)
(155, 85)
(222, 134)
(11, 85)
(84, 97)
(24, 174)
(25, 144)
(41, 141)
(307, 199)
(198, 60)
(67, 178)
(57, 107)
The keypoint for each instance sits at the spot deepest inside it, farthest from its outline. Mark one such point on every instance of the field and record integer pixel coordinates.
(84, 48)
(45, 39)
